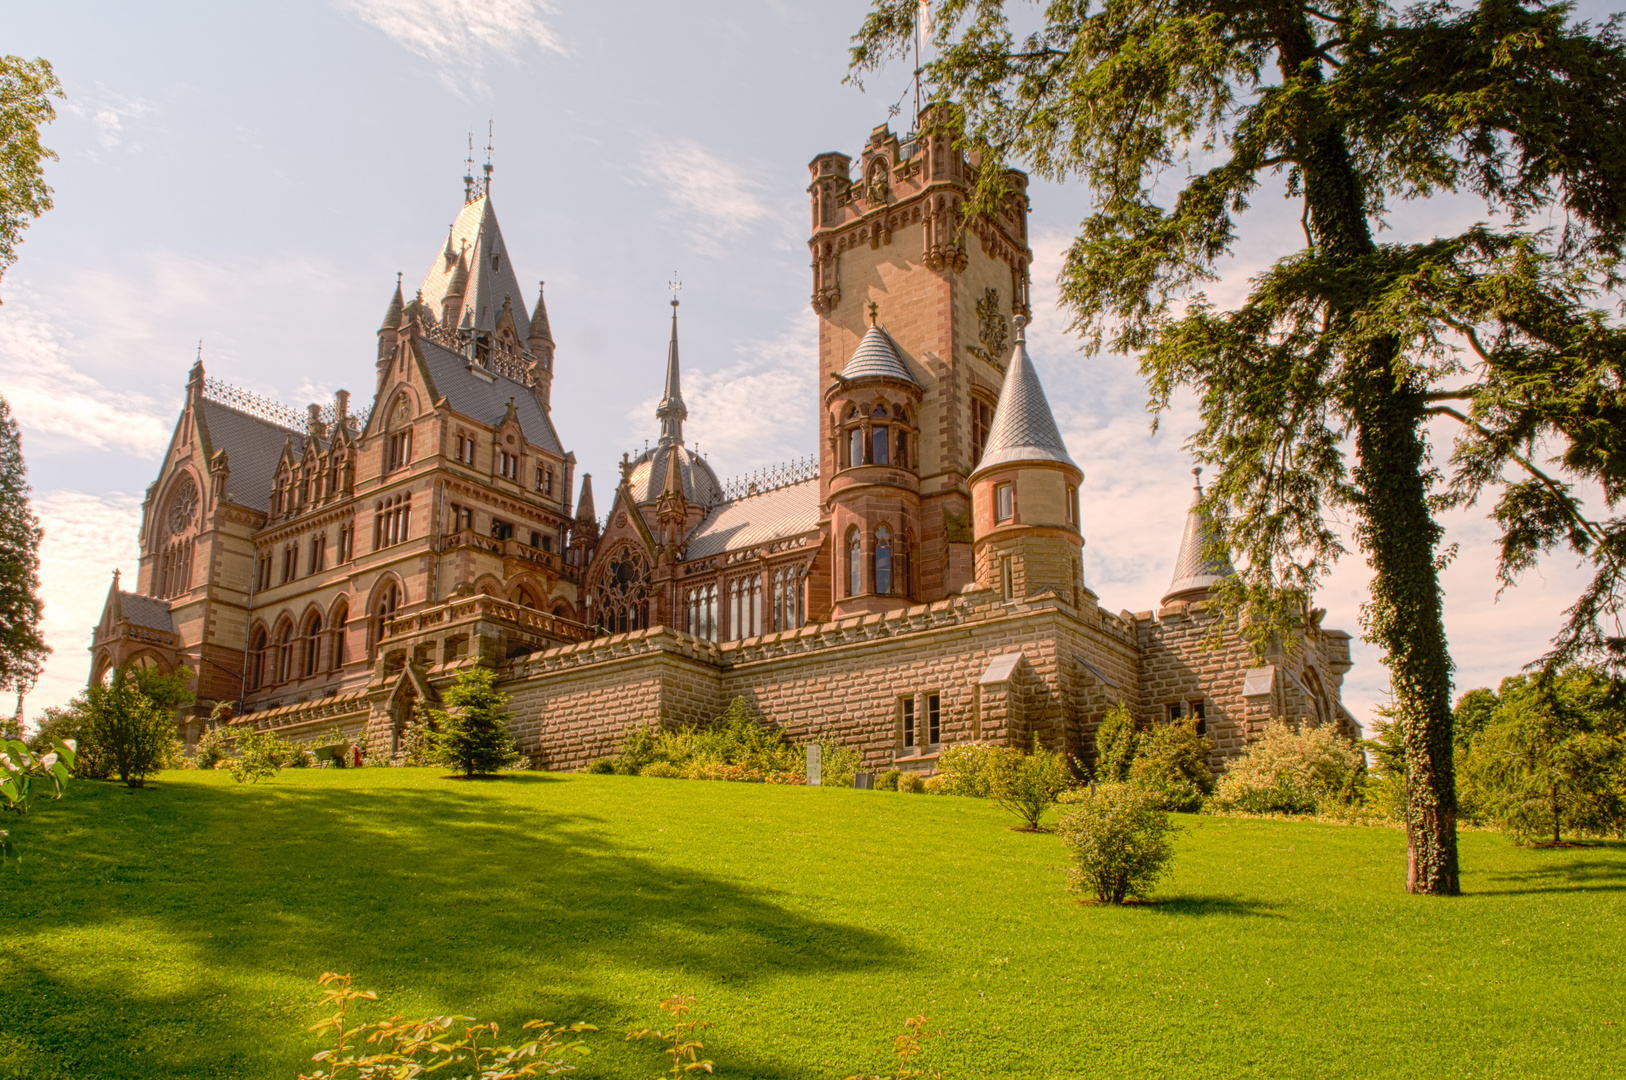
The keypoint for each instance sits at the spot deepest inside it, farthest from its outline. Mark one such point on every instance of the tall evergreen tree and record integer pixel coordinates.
(473, 728)
(22, 650)
(1314, 392)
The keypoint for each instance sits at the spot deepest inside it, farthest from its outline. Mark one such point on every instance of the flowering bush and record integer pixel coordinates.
(1171, 765)
(968, 769)
(1294, 772)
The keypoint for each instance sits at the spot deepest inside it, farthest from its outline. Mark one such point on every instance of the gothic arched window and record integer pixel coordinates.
(855, 563)
(313, 639)
(256, 659)
(285, 653)
(383, 612)
(883, 560)
(341, 616)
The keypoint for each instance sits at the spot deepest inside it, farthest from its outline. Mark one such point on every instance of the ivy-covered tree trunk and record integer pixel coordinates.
(1396, 528)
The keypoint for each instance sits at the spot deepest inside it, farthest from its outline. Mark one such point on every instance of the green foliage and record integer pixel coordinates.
(1029, 784)
(738, 745)
(22, 649)
(1288, 771)
(1119, 839)
(260, 755)
(416, 747)
(967, 769)
(1171, 766)
(26, 90)
(212, 748)
(1116, 740)
(681, 1044)
(603, 766)
(1552, 756)
(838, 763)
(1386, 781)
(400, 1048)
(20, 768)
(888, 780)
(473, 728)
(131, 719)
(60, 723)
(911, 783)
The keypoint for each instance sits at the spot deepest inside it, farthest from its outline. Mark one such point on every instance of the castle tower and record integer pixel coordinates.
(946, 287)
(874, 490)
(1195, 573)
(1025, 494)
(541, 346)
(646, 474)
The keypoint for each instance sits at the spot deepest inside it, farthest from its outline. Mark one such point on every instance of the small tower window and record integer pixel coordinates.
(1004, 502)
(906, 715)
(934, 720)
(855, 446)
(901, 458)
(1007, 578)
(878, 444)
(982, 418)
(883, 560)
(855, 563)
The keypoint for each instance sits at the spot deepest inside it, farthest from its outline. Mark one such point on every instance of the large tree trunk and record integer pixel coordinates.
(1396, 528)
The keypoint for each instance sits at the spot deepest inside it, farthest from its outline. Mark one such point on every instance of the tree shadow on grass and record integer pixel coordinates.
(462, 902)
(1203, 906)
(1572, 874)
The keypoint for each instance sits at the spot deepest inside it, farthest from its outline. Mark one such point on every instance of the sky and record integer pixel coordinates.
(251, 177)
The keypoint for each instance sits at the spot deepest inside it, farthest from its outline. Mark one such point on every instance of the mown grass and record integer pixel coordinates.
(178, 932)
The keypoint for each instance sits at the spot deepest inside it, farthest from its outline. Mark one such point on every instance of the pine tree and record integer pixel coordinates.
(473, 728)
(22, 650)
(1314, 392)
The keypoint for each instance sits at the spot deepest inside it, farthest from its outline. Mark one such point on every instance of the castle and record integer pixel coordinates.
(916, 583)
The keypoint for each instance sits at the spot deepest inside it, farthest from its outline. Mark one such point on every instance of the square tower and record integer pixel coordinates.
(945, 286)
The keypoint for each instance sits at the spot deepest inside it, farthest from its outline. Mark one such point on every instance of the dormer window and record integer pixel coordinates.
(508, 465)
(398, 451)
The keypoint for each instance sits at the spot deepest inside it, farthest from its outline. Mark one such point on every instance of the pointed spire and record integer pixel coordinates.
(1024, 429)
(392, 314)
(540, 330)
(449, 255)
(584, 505)
(876, 357)
(672, 412)
(1194, 572)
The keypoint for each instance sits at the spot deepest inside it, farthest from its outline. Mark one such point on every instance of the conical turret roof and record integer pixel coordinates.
(540, 330)
(1194, 573)
(584, 505)
(876, 357)
(392, 314)
(1024, 429)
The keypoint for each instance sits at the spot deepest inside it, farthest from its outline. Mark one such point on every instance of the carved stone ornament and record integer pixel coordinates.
(878, 190)
(992, 329)
(183, 506)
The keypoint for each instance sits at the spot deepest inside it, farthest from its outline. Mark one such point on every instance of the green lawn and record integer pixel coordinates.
(178, 932)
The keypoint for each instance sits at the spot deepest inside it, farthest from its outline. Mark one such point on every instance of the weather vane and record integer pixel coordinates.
(675, 285)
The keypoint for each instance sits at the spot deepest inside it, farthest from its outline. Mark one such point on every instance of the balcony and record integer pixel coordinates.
(515, 624)
(550, 561)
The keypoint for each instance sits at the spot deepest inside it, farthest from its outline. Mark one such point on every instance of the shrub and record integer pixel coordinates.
(131, 719)
(1171, 765)
(838, 763)
(474, 727)
(602, 766)
(738, 745)
(1119, 838)
(1116, 741)
(259, 755)
(888, 781)
(416, 748)
(1294, 772)
(60, 723)
(911, 783)
(663, 769)
(211, 748)
(637, 750)
(1029, 784)
(968, 769)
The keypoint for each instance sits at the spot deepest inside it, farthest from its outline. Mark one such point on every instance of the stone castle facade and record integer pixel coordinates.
(917, 582)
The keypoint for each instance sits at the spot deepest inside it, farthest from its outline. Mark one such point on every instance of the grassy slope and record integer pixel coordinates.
(178, 931)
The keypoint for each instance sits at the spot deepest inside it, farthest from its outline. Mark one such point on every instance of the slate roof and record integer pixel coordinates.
(476, 235)
(253, 448)
(700, 485)
(1024, 429)
(487, 401)
(756, 519)
(146, 610)
(1194, 574)
(876, 357)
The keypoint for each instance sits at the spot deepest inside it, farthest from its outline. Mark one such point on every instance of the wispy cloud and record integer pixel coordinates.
(86, 538)
(111, 116)
(716, 197)
(52, 396)
(462, 37)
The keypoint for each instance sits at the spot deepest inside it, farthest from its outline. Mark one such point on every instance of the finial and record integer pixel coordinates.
(398, 279)
(1197, 477)
(1021, 322)
(675, 285)
(490, 124)
(874, 308)
(468, 172)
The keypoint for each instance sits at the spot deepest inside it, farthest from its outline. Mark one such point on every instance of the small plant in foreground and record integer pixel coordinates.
(404, 1048)
(259, 755)
(19, 768)
(1029, 784)
(685, 1048)
(131, 719)
(908, 1047)
(1119, 838)
(474, 727)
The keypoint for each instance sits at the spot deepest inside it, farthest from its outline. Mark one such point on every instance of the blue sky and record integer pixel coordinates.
(255, 175)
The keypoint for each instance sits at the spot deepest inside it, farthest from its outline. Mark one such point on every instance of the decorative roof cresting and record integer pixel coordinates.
(1024, 429)
(1194, 574)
